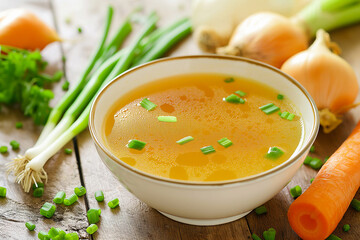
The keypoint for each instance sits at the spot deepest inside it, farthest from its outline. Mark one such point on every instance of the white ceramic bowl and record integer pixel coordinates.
(204, 203)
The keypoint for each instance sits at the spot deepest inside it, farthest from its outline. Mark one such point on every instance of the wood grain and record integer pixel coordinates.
(134, 219)
(62, 170)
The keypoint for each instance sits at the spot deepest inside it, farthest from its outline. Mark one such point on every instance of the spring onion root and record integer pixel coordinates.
(147, 46)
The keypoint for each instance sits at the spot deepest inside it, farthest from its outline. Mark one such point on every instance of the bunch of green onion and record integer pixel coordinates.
(70, 116)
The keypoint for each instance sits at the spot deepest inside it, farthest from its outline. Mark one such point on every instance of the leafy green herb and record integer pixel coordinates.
(280, 96)
(22, 83)
(79, 29)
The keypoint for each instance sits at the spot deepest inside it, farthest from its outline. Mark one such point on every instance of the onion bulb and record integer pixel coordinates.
(215, 20)
(273, 38)
(267, 37)
(328, 78)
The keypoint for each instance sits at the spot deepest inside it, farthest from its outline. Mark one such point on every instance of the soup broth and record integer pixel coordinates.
(198, 102)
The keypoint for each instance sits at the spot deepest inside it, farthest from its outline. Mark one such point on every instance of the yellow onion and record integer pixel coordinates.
(267, 37)
(328, 78)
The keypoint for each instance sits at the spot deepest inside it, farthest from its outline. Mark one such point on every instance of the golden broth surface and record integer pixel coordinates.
(197, 102)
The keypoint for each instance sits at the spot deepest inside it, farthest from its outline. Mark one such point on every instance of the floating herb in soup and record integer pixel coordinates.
(201, 127)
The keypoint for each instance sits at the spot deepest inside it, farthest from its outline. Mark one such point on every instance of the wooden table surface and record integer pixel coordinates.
(133, 220)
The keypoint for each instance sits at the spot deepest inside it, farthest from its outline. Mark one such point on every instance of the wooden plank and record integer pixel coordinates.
(134, 220)
(62, 170)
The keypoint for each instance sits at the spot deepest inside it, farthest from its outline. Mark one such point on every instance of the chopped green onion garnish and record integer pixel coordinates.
(99, 196)
(307, 160)
(269, 234)
(147, 104)
(79, 29)
(68, 151)
(136, 144)
(290, 117)
(3, 149)
(80, 191)
(333, 237)
(284, 114)
(355, 204)
(185, 140)
(65, 86)
(260, 210)
(229, 79)
(269, 108)
(295, 191)
(311, 180)
(240, 93)
(14, 145)
(43, 235)
(167, 119)
(30, 226)
(93, 215)
(37, 185)
(53, 232)
(232, 98)
(47, 210)
(38, 192)
(225, 142)
(312, 149)
(70, 200)
(72, 236)
(59, 197)
(91, 229)
(274, 153)
(61, 234)
(316, 163)
(113, 203)
(280, 96)
(207, 149)
(255, 237)
(346, 227)
(19, 125)
(2, 192)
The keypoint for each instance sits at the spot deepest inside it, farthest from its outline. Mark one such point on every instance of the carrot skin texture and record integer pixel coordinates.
(317, 212)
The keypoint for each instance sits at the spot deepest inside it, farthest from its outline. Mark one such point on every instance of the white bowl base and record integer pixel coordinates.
(205, 222)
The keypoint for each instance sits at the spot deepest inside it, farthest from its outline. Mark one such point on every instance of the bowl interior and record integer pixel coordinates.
(241, 67)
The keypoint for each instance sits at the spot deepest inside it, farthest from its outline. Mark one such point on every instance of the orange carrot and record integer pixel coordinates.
(22, 29)
(317, 212)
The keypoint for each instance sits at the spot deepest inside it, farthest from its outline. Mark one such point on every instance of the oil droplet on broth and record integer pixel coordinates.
(194, 159)
(167, 108)
(129, 160)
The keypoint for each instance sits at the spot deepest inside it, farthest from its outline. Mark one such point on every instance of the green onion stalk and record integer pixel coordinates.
(328, 15)
(53, 127)
(71, 125)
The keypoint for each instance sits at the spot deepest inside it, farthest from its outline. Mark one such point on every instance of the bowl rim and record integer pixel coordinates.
(283, 165)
